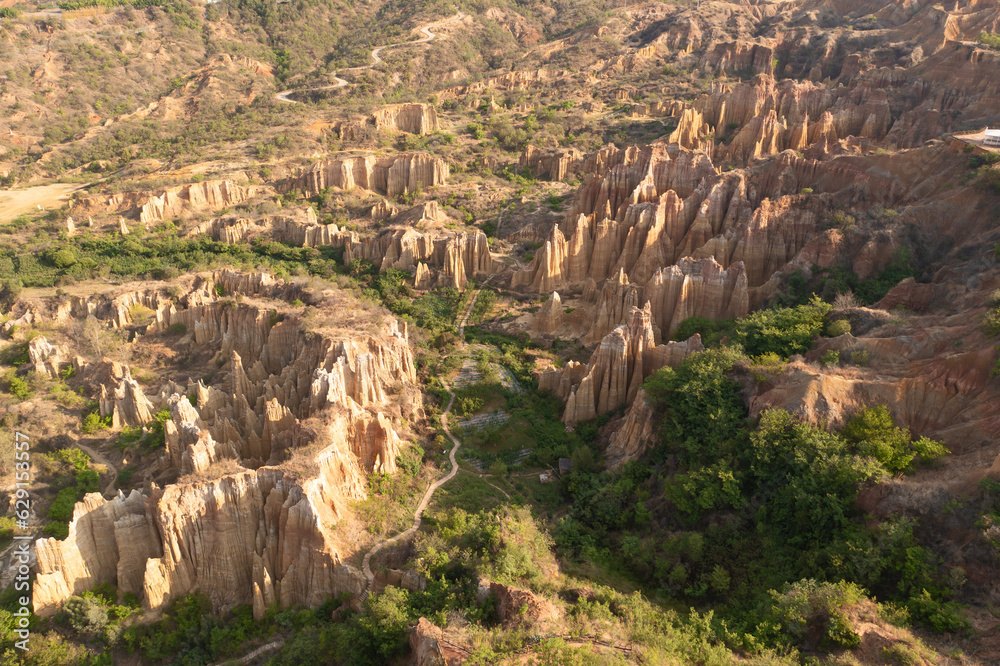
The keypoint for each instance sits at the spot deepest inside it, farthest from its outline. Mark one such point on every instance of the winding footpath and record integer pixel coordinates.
(418, 514)
(284, 96)
(426, 499)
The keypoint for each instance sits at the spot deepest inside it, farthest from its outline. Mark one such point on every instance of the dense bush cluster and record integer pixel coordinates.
(990, 39)
(157, 258)
(68, 5)
(784, 331)
(73, 468)
(730, 508)
(433, 311)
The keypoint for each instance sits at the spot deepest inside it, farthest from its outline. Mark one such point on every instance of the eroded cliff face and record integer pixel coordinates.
(413, 118)
(456, 256)
(449, 257)
(659, 223)
(617, 368)
(839, 89)
(391, 175)
(285, 443)
(152, 208)
(257, 534)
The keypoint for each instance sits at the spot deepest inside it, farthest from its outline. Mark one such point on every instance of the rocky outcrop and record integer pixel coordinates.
(285, 443)
(429, 647)
(617, 368)
(422, 277)
(551, 165)
(696, 289)
(108, 541)
(126, 403)
(653, 223)
(256, 530)
(382, 210)
(519, 606)
(635, 434)
(391, 175)
(195, 197)
(764, 116)
(518, 80)
(548, 318)
(413, 118)
(738, 58)
(448, 257)
(457, 256)
(47, 358)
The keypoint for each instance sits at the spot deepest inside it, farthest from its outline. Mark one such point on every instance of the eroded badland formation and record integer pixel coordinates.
(238, 243)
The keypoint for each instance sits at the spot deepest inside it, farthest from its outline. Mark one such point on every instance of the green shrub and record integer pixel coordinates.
(837, 328)
(469, 405)
(86, 615)
(783, 331)
(819, 478)
(811, 605)
(830, 358)
(990, 39)
(765, 365)
(6, 530)
(841, 220)
(704, 408)
(93, 423)
(991, 322)
(10, 291)
(61, 509)
(860, 357)
(19, 388)
(56, 530)
(62, 257)
(16, 354)
(692, 326)
(872, 433)
(941, 616)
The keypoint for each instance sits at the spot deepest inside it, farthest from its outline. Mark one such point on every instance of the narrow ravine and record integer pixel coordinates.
(418, 514)
(426, 499)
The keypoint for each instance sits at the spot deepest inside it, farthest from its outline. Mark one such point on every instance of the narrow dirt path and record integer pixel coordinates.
(418, 514)
(426, 499)
(429, 36)
(468, 313)
(97, 457)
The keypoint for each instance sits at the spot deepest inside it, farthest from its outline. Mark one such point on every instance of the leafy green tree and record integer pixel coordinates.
(86, 615)
(805, 478)
(808, 605)
(705, 489)
(382, 630)
(783, 331)
(703, 410)
(873, 433)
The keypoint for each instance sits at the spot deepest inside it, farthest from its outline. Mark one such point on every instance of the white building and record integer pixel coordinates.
(992, 138)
